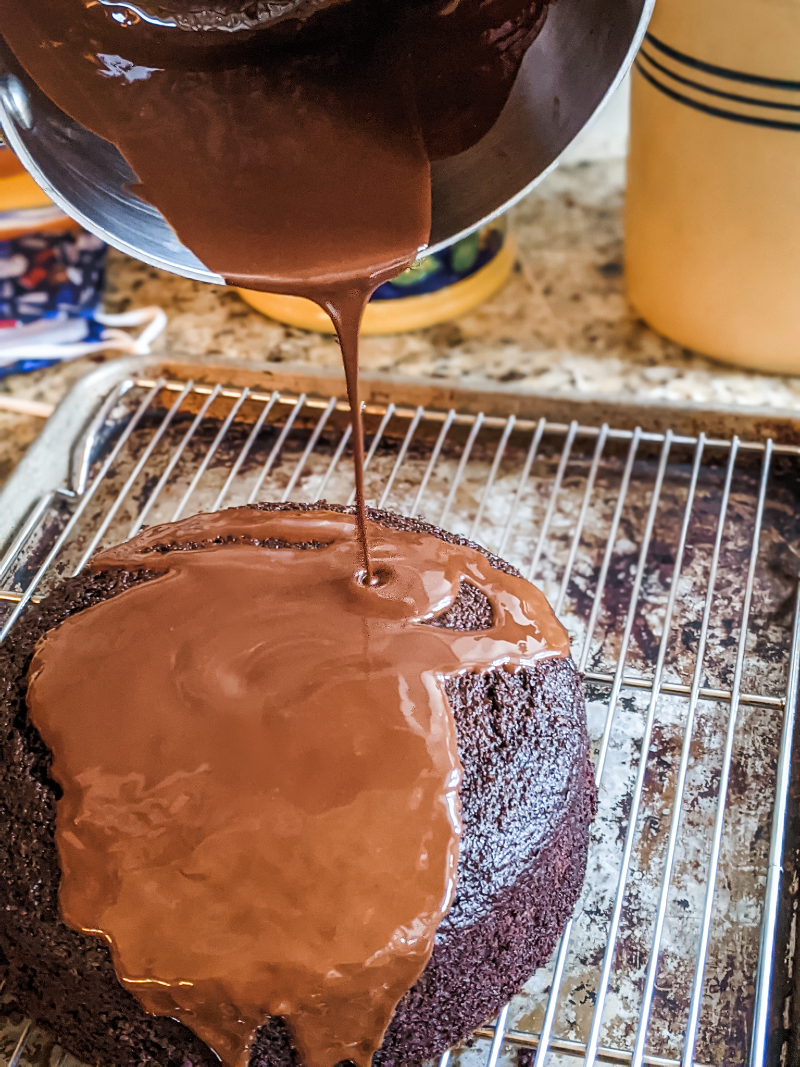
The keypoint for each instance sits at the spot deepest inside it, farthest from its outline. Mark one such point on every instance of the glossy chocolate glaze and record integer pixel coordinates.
(263, 818)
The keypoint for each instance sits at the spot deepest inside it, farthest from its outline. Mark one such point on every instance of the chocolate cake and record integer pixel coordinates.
(527, 798)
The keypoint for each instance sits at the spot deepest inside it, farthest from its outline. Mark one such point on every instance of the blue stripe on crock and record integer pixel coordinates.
(717, 112)
(738, 97)
(721, 72)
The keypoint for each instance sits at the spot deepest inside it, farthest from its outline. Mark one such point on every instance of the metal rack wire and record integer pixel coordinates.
(669, 558)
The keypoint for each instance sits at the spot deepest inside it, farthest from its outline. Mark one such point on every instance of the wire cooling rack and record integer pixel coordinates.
(671, 557)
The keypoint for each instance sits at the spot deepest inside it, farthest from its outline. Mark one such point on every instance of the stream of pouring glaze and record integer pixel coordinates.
(260, 811)
(293, 157)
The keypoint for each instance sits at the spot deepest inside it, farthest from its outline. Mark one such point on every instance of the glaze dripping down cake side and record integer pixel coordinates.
(526, 796)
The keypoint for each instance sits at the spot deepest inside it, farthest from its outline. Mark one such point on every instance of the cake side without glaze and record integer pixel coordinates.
(527, 800)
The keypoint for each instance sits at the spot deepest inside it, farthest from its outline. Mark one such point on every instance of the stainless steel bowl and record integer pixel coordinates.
(579, 58)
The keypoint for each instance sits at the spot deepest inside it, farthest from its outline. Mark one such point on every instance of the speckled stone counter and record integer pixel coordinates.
(560, 325)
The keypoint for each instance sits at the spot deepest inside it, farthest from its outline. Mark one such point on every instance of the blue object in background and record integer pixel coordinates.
(444, 268)
(54, 281)
(44, 274)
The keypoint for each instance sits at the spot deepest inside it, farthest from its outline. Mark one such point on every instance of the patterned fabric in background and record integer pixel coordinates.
(43, 274)
(50, 276)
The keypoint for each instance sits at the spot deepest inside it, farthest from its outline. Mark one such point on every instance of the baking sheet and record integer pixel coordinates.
(565, 503)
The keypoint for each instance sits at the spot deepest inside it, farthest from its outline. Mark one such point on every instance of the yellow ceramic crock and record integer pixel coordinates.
(712, 244)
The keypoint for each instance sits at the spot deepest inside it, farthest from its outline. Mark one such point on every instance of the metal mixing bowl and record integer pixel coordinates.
(579, 58)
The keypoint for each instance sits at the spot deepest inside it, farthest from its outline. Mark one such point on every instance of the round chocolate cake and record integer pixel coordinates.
(527, 798)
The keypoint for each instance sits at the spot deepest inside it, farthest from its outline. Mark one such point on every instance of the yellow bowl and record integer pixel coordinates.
(401, 314)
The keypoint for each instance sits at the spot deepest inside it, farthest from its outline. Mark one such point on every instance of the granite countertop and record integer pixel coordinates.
(560, 325)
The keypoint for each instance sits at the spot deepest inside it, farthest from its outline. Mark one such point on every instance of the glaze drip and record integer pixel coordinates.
(260, 771)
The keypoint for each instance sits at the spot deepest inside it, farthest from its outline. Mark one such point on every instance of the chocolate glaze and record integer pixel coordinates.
(254, 840)
(210, 15)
